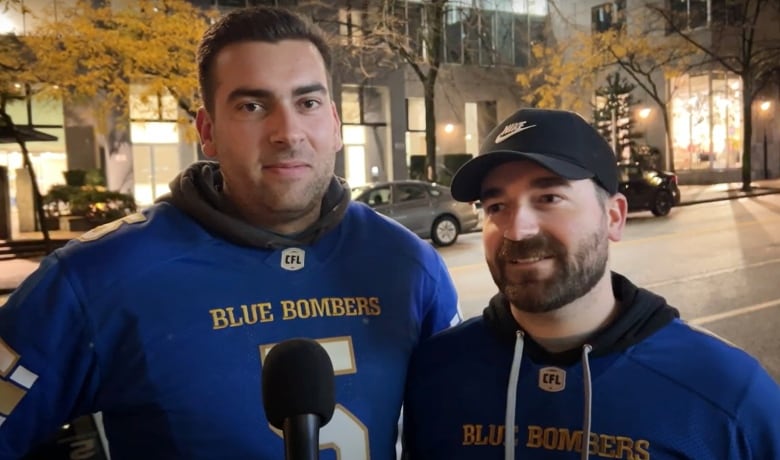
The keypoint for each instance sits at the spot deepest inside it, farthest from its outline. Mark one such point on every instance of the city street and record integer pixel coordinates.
(718, 263)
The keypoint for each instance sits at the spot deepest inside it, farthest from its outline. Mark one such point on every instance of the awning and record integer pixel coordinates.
(28, 134)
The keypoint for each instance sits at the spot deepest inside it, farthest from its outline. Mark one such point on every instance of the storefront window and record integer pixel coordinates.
(706, 121)
(158, 153)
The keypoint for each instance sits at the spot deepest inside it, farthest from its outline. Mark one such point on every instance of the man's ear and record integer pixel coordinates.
(616, 211)
(205, 131)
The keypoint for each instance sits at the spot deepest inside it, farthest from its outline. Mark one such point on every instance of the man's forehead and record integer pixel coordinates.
(286, 67)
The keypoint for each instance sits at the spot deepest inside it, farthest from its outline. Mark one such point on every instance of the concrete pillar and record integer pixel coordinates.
(25, 203)
(5, 205)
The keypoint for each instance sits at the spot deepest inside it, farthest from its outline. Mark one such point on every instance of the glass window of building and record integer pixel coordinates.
(363, 105)
(453, 33)
(689, 14)
(415, 114)
(533, 7)
(505, 38)
(706, 120)
(415, 21)
(608, 16)
(350, 104)
(365, 132)
(415, 136)
(159, 149)
(350, 26)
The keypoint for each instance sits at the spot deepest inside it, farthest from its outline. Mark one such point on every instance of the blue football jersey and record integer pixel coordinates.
(658, 389)
(163, 327)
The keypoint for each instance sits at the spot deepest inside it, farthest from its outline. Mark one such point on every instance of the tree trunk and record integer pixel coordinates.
(668, 153)
(747, 135)
(430, 127)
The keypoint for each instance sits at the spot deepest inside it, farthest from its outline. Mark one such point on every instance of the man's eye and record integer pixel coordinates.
(494, 208)
(549, 198)
(310, 103)
(251, 107)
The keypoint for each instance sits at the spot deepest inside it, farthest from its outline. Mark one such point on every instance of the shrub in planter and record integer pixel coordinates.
(94, 203)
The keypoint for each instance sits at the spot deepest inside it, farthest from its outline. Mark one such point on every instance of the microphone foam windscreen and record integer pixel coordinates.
(297, 380)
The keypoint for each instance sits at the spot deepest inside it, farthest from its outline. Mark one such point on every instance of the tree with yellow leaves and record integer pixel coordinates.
(92, 54)
(566, 71)
(89, 56)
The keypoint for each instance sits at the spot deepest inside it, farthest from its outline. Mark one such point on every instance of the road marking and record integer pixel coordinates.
(710, 274)
(732, 313)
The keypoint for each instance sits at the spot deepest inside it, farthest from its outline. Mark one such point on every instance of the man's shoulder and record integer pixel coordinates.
(467, 335)
(703, 364)
(159, 233)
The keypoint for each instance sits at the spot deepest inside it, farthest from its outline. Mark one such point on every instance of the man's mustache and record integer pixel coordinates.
(539, 245)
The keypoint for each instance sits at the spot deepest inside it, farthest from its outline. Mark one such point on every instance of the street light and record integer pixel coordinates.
(764, 111)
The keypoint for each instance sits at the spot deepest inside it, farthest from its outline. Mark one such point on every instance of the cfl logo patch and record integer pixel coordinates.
(552, 379)
(293, 259)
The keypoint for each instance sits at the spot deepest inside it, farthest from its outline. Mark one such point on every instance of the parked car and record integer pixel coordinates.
(648, 189)
(424, 208)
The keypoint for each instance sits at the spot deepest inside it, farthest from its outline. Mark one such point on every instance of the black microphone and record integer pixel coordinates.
(299, 395)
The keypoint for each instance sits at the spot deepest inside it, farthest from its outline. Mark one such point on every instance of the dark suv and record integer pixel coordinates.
(648, 189)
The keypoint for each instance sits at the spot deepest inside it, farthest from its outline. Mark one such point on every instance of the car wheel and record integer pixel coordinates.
(444, 231)
(662, 203)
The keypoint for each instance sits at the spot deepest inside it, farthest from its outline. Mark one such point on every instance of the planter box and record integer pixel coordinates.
(75, 224)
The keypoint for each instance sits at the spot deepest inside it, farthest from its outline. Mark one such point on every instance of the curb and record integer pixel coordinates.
(726, 198)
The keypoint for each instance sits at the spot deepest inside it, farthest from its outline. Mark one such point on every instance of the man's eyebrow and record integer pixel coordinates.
(538, 183)
(259, 93)
(550, 182)
(255, 93)
(312, 88)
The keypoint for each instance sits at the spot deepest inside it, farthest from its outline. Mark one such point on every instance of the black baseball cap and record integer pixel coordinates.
(559, 140)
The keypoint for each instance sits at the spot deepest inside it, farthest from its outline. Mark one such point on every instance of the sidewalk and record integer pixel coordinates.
(13, 271)
(696, 194)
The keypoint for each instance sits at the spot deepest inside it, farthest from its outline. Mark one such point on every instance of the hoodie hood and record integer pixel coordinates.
(642, 313)
(198, 192)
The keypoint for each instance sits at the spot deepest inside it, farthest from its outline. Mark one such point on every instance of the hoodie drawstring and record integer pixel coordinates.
(511, 398)
(586, 349)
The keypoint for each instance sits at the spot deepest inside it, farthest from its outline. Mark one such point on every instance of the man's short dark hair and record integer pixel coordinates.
(261, 24)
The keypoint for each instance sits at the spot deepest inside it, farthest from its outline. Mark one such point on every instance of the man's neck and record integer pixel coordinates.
(570, 326)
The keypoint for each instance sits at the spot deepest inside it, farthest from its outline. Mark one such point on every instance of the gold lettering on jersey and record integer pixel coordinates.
(247, 314)
(560, 439)
(324, 307)
(328, 307)
(484, 435)
(601, 445)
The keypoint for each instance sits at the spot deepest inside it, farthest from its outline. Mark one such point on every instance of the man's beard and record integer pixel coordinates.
(574, 275)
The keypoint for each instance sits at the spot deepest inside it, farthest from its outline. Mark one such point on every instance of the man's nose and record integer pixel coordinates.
(523, 224)
(285, 126)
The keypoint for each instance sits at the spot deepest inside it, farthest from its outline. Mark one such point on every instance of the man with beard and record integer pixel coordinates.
(570, 360)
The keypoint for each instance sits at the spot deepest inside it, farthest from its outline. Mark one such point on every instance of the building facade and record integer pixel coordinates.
(704, 103)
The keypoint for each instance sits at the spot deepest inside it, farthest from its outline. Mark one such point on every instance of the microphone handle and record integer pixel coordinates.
(302, 437)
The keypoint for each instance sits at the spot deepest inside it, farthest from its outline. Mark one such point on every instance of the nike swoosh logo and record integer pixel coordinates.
(511, 131)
